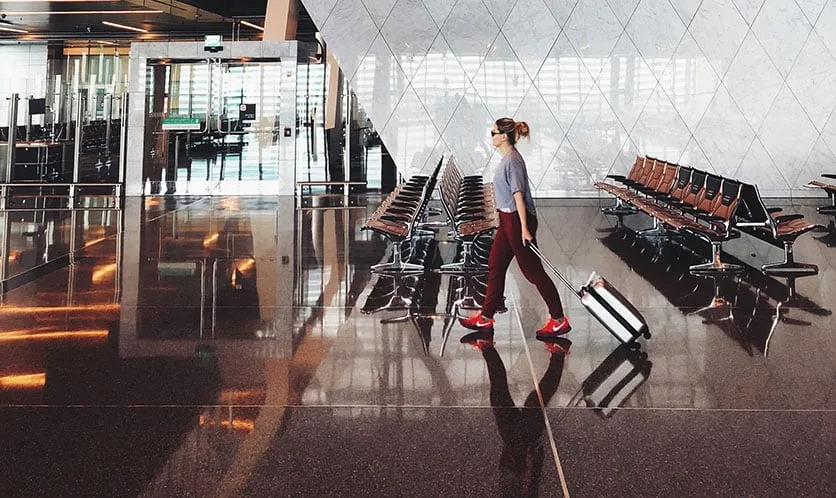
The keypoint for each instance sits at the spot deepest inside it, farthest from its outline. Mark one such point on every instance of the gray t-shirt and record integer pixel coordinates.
(510, 177)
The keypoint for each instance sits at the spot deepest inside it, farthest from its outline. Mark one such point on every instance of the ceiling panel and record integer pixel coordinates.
(229, 8)
(84, 20)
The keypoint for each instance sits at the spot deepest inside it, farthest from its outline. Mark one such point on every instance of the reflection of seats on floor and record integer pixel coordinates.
(829, 234)
(395, 290)
(719, 309)
(415, 295)
(465, 293)
(747, 306)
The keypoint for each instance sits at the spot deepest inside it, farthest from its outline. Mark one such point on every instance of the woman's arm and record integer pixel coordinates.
(519, 200)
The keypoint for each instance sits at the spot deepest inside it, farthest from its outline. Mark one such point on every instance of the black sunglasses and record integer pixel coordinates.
(494, 133)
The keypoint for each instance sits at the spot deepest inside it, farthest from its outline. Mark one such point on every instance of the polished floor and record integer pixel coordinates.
(236, 346)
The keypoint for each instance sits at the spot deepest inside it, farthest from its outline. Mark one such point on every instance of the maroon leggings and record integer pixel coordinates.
(507, 244)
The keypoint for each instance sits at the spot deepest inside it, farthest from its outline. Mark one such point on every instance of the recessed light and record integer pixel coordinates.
(122, 26)
(251, 25)
(13, 30)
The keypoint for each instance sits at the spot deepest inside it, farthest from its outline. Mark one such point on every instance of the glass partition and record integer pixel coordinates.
(212, 126)
(68, 120)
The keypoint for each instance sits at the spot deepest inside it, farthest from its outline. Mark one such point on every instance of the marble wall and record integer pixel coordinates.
(744, 88)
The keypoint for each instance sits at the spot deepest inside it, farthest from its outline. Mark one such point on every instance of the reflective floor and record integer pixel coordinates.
(235, 346)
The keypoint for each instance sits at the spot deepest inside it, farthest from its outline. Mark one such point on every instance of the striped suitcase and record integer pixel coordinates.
(606, 304)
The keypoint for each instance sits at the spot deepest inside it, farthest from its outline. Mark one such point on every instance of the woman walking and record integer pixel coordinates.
(517, 229)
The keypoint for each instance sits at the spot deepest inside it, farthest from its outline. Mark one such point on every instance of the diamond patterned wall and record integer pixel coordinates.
(745, 88)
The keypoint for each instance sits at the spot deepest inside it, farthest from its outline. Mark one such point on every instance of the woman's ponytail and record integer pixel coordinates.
(522, 129)
(514, 129)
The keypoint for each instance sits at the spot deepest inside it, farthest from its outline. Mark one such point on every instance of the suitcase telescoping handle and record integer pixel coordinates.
(548, 263)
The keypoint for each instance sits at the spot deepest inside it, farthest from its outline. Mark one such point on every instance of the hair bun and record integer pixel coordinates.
(522, 128)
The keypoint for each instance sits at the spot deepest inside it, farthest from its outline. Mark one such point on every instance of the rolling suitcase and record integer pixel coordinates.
(606, 304)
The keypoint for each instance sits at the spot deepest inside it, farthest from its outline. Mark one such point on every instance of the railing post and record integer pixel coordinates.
(123, 138)
(108, 111)
(10, 153)
(79, 127)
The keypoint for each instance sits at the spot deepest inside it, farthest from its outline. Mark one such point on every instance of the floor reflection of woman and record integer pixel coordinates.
(521, 428)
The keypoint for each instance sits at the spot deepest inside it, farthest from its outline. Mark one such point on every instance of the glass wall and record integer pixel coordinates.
(103, 75)
(213, 126)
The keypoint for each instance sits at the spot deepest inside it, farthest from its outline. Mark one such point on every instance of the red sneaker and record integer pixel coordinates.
(554, 328)
(477, 322)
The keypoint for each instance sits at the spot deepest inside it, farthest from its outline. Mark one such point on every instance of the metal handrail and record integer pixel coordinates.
(70, 195)
(44, 184)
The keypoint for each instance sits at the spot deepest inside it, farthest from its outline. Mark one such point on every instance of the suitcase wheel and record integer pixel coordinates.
(647, 335)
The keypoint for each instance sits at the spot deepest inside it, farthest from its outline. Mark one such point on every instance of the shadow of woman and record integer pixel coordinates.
(521, 428)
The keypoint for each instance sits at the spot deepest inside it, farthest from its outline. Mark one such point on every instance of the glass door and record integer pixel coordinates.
(213, 127)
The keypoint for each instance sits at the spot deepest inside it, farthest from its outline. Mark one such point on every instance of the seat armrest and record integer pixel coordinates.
(787, 217)
(774, 210)
(832, 176)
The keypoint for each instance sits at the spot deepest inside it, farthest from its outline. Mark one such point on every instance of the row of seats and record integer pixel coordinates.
(399, 216)
(693, 202)
(20, 133)
(772, 225)
(829, 188)
(471, 212)
(94, 136)
(469, 206)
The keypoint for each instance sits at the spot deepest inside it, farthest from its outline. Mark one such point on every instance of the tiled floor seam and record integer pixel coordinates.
(564, 485)
(418, 407)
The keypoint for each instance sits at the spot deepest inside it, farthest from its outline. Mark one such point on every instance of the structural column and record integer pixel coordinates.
(280, 20)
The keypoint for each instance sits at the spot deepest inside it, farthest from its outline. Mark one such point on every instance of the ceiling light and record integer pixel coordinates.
(122, 26)
(13, 30)
(251, 25)
(77, 12)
